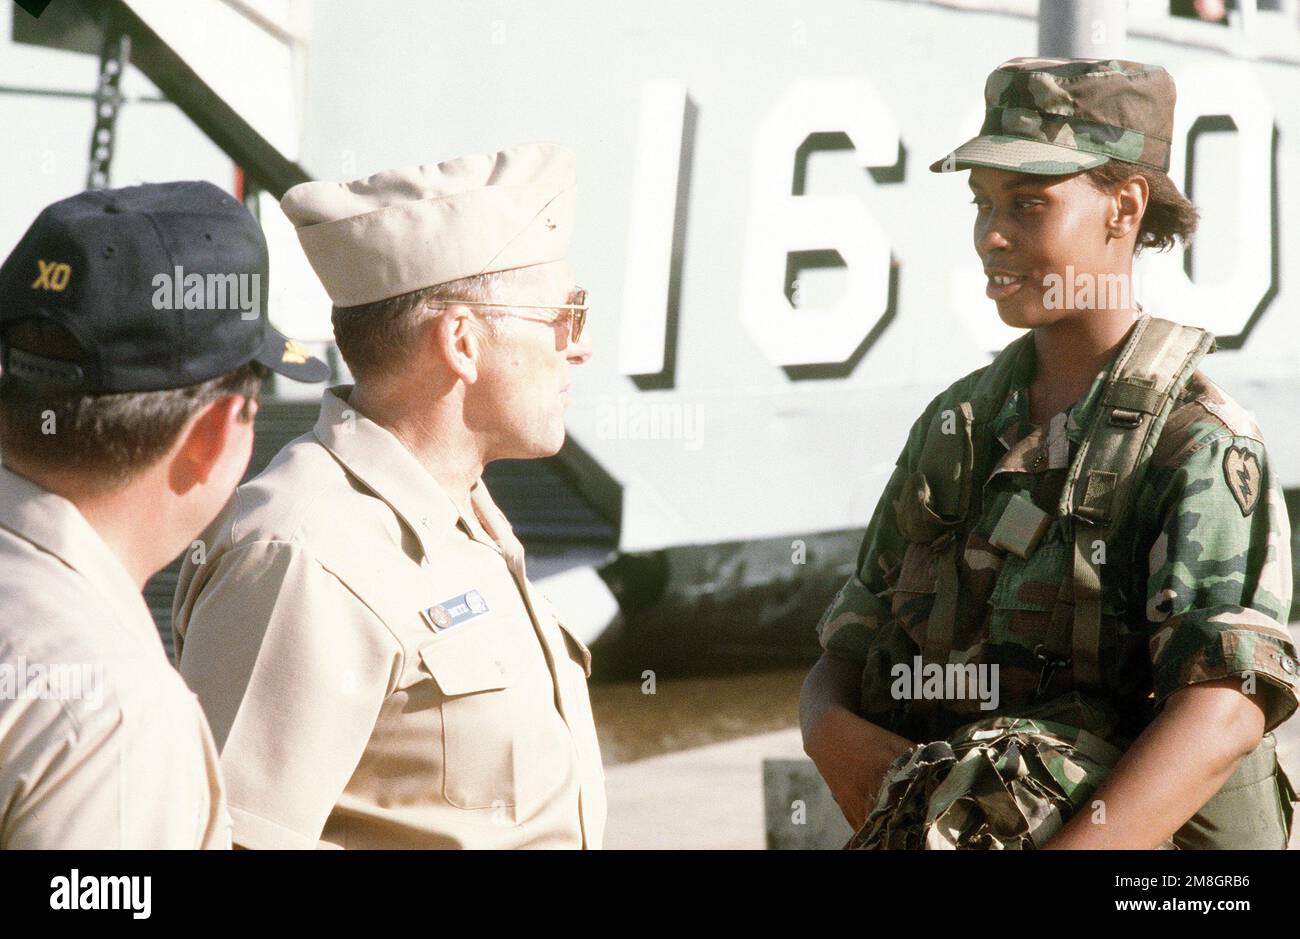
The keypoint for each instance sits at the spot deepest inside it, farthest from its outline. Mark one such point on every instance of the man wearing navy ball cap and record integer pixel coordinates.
(133, 345)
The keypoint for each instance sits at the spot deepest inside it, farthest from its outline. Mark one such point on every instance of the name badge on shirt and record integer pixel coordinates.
(455, 611)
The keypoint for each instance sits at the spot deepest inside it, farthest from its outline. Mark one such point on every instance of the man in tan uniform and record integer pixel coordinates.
(125, 422)
(377, 670)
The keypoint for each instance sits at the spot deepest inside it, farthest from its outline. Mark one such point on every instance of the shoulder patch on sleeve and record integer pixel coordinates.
(1242, 472)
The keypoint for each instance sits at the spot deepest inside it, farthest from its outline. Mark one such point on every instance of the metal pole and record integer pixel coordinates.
(1082, 29)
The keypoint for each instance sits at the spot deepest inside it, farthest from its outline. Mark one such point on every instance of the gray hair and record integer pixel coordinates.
(481, 288)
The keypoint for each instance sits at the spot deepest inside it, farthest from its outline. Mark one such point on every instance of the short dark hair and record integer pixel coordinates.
(1169, 215)
(111, 436)
(376, 336)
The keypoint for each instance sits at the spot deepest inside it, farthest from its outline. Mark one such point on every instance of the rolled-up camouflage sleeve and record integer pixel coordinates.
(858, 609)
(1219, 583)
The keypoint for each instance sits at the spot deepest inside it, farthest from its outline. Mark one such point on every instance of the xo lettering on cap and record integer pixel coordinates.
(52, 275)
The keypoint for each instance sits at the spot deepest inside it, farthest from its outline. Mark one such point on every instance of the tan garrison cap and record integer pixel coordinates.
(406, 229)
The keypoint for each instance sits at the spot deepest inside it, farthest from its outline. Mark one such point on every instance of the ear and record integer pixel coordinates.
(457, 343)
(1129, 205)
(207, 437)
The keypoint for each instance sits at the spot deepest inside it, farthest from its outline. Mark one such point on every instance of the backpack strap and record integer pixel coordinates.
(931, 509)
(1153, 367)
(940, 494)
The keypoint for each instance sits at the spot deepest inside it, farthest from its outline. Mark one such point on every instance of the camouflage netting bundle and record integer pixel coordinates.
(999, 783)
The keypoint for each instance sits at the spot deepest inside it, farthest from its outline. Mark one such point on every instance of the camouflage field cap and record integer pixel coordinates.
(1055, 116)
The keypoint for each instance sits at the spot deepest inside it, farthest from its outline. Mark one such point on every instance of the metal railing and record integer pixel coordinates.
(1264, 30)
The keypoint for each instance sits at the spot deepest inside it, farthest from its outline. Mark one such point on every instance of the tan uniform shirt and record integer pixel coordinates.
(101, 743)
(376, 668)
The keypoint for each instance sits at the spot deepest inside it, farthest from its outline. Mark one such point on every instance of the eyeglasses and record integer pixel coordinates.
(575, 312)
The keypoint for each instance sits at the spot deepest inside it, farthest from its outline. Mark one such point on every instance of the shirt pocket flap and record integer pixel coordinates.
(1035, 584)
(464, 668)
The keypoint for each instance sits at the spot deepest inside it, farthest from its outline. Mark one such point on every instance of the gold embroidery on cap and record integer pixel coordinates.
(54, 275)
(294, 353)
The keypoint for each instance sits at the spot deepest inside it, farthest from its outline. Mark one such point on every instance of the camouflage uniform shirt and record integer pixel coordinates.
(1197, 586)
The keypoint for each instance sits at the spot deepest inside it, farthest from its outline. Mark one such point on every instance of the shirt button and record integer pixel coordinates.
(1288, 663)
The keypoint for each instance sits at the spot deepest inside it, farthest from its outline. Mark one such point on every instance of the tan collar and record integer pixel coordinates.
(381, 461)
(54, 524)
(498, 529)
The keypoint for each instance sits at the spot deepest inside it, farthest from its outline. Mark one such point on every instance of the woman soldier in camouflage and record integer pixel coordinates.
(1068, 624)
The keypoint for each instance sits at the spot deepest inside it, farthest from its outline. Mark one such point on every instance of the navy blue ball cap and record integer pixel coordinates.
(161, 286)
